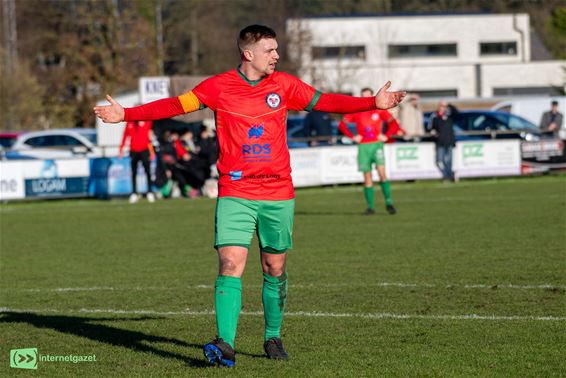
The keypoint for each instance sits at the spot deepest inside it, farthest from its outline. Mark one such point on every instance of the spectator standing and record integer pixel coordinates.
(411, 118)
(141, 150)
(318, 125)
(441, 125)
(552, 120)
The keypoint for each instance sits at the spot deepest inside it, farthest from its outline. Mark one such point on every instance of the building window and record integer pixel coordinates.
(423, 51)
(527, 91)
(339, 52)
(498, 48)
(435, 93)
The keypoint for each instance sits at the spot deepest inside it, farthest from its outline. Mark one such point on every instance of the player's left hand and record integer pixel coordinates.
(387, 100)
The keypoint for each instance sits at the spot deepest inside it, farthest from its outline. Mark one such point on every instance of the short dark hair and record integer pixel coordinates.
(253, 33)
(554, 103)
(367, 89)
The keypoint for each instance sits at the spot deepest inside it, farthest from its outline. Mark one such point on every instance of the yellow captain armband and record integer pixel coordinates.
(189, 102)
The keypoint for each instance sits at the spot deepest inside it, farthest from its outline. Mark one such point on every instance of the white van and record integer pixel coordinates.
(532, 108)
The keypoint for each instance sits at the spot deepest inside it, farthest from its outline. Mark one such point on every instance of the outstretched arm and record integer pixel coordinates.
(160, 109)
(336, 103)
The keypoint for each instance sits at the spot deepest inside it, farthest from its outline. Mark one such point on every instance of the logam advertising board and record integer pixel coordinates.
(56, 178)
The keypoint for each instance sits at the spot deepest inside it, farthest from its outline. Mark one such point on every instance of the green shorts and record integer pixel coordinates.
(237, 219)
(370, 153)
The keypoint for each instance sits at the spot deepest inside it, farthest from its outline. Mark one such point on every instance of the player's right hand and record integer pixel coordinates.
(358, 138)
(112, 113)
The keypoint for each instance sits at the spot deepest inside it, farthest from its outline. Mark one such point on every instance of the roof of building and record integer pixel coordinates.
(407, 14)
(538, 49)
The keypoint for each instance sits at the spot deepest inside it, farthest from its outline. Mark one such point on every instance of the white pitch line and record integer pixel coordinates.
(300, 286)
(300, 314)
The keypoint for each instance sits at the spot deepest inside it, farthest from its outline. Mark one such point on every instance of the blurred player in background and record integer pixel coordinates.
(373, 127)
(256, 192)
(141, 150)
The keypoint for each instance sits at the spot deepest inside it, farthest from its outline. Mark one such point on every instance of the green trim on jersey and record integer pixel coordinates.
(253, 83)
(313, 102)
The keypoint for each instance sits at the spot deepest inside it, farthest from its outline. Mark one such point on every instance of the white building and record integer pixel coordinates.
(456, 55)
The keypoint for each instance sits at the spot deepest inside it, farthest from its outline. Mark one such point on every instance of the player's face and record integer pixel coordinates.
(265, 56)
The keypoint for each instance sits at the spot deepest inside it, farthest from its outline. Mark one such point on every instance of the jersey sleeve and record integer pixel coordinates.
(125, 136)
(300, 95)
(349, 118)
(207, 92)
(343, 127)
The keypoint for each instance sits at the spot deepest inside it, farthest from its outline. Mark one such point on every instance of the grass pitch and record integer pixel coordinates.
(467, 279)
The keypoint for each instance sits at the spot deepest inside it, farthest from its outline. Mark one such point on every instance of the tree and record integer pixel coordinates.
(21, 100)
(80, 50)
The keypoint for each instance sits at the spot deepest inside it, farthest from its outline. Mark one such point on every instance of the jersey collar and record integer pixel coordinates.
(253, 83)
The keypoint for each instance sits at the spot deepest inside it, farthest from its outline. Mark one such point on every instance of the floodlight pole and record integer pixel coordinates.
(159, 36)
(11, 49)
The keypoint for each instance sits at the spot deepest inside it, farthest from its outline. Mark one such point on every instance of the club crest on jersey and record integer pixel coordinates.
(375, 116)
(273, 100)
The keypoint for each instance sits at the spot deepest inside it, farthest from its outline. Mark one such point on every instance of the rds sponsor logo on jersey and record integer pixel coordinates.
(255, 152)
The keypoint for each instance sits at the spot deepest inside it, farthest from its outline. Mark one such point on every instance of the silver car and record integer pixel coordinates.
(55, 144)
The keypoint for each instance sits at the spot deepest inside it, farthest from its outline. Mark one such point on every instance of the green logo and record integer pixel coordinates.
(472, 150)
(23, 358)
(406, 153)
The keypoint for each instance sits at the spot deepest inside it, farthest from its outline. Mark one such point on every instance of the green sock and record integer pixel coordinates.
(166, 189)
(274, 296)
(228, 301)
(386, 189)
(368, 193)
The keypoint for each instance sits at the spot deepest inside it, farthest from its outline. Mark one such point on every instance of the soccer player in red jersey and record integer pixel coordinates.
(255, 187)
(141, 150)
(373, 127)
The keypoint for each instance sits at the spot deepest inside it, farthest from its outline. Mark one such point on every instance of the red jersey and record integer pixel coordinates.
(370, 125)
(138, 132)
(251, 119)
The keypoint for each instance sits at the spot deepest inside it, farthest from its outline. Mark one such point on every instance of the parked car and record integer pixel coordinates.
(8, 138)
(536, 146)
(296, 132)
(489, 121)
(54, 144)
(532, 108)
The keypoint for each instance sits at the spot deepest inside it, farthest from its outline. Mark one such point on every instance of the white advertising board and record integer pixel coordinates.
(405, 161)
(306, 167)
(11, 180)
(340, 165)
(153, 88)
(56, 178)
(487, 158)
(411, 161)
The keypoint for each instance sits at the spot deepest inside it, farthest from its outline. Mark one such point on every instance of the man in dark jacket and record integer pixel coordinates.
(441, 124)
(552, 120)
